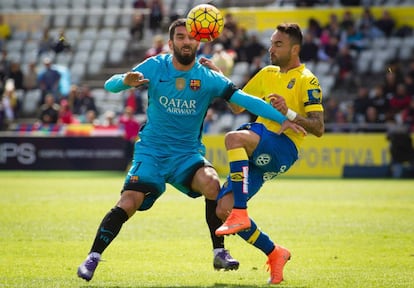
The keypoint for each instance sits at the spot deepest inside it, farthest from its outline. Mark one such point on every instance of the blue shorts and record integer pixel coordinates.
(274, 155)
(151, 170)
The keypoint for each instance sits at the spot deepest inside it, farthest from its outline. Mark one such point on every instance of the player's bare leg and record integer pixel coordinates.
(206, 180)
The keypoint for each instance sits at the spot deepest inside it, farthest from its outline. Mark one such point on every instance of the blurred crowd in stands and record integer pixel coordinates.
(358, 98)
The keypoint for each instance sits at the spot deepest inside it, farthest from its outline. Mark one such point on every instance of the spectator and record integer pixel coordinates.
(49, 111)
(309, 51)
(345, 62)
(333, 26)
(394, 67)
(372, 121)
(72, 97)
(314, 28)
(381, 103)
(361, 104)
(49, 80)
(3, 125)
(330, 51)
(366, 25)
(65, 113)
(230, 23)
(139, 4)
(324, 38)
(347, 21)
(239, 49)
(5, 31)
(30, 77)
(17, 75)
(402, 152)
(61, 44)
(45, 44)
(255, 67)
(156, 15)
(137, 26)
(407, 116)
(353, 39)
(8, 104)
(331, 109)
(4, 69)
(84, 102)
(158, 46)
(131, 127)
(409, 84)
(226, 38)
(400, 99)
(254, 48)
(390, 84)
(385, 23)
(131, 100)
(411, 68)
(206, 50)
(90, 118)
(223, 60)
(109, 119)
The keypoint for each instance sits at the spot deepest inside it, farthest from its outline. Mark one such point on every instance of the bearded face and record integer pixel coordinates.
(184, 55)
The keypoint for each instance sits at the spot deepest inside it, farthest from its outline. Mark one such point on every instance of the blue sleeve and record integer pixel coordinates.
(116, 84)
(257, 106)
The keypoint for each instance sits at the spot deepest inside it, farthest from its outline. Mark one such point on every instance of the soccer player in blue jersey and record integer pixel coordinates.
(169, 149)
(257, 152)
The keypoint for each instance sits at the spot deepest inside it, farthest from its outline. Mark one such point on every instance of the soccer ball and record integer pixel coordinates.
(204, 22)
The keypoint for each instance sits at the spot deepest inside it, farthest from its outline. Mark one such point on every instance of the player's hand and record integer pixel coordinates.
(278, 102)
(209, 64)
(135, 79)
(291, 125)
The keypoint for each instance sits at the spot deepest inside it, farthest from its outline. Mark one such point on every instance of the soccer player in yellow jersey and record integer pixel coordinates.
(257, 152)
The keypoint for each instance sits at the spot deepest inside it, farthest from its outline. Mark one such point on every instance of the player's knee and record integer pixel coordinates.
(130, 201)
(211, 188)
(233, 139)
(207, 182)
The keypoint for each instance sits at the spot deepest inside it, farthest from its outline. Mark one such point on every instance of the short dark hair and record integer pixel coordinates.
(294, 32)
(176, 23)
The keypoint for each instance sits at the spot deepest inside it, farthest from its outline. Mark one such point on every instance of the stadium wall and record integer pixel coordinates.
(320, 157)
(267, 19)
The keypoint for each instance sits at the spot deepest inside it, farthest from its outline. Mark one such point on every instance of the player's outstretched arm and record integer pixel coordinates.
(120, 82)
(313, 122)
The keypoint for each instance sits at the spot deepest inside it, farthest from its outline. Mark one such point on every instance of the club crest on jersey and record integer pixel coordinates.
(180, 83)
(195, 84)
(133, 179)
(291, 83)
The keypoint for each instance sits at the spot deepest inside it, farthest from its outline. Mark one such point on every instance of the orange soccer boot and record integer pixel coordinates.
(276, 261)
(237, 221)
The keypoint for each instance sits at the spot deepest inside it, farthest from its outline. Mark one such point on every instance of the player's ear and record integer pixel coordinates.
(296, 49)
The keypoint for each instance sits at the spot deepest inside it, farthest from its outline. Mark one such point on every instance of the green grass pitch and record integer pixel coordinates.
(342, 233)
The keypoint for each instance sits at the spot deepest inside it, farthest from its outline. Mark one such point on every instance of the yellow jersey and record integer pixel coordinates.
(299, 87)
